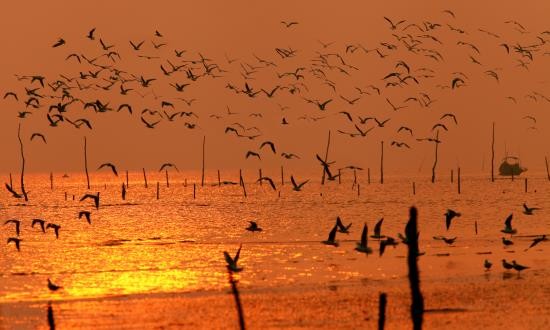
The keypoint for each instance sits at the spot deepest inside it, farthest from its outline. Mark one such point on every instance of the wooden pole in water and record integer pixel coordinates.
(123, 192)
(51, 180)
(382, 301)
(493, 155)
(86, 163)
(144, 177)
(458, 181)
(194, 190)
(167, 180)
(475, 226)
(358, 190)
(547, 172)
(238, 304)
(240, 177)
(525, 184)
(127, 180)
(260, 174)
(65, 196)
(417, 306)
(283, 176)
(23, 191)
(11, 181)
(414, 188)
(219, 179)
(51, 321)
(435, 160)
(241, 181)
(381, 162)
(326, 158)
(339, 176)
(368, 175)
(354, 176)
(158, 190)
(452, 176)
(203, 153)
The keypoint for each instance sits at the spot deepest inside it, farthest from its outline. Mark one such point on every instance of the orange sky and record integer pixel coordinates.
(246, 28)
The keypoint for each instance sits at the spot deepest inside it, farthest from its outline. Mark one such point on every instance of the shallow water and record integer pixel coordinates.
(148, 248)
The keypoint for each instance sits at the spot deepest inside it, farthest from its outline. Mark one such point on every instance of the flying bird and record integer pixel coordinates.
(295, 186)
(17, 224)
(232, 262)
(95, 198)
(449, 216)
(378, 230)
(59, 42)
(341, 228)
(85, 214)
(40, 222)
(111, 166)
(253, 227)
(362, 246)
(55, 228)
(16, 241)
(508, 226)
(38, 135)
(529, 210)
(269, 180)
(331, 240)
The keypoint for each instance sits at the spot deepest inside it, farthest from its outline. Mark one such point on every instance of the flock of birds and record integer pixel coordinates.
(320, 84)
(329, 85)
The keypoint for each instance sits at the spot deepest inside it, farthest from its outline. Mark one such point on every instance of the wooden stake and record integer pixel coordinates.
(65, 196)
(194, 190)
(241, 180)
(219, 180)
(458, 181)
(358, 190)
(547, 172)
(51, 180)
(493, 155)
(167, 180)
(339, 176)
(368, 175)
(260, 174)
(123, 192)
(382, 162)
(158, 190)
(435, 160)
(414, 188)
(11, 181)
(417, 307)
(127, 180)
(475, 226)
(203, 153)
(326, 158)
(283, 176)
(86, 163)
(382, 311)
(23, 191)
(525, 184)
(452, 176)
(144, 177)
(354, 176)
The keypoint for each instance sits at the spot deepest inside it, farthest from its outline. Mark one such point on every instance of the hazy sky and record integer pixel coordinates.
(225, 31)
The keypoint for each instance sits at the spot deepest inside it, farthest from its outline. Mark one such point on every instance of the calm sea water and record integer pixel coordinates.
(175, 244)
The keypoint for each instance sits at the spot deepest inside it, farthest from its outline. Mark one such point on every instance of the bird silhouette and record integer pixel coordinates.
(331, 240)
(55, 228)
(17, 224)
(269, 180)
(253, 227)
(341, 228)
(232, 262)
(362, 246)
(95, 198)
(53, 287)
(508, 226)
(378, 230)
(449, 216)
(16, 241)
(85, 214)
(529, 210)
(111, 166)
(295, 186)
(40, 222)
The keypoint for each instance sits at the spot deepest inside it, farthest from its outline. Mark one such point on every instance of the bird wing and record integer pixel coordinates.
(238, 254)
(332, 234)
(364, 235)
(378, 227)
(508, 221)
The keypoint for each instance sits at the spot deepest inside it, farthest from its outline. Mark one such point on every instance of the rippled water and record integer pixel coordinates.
(145, 246)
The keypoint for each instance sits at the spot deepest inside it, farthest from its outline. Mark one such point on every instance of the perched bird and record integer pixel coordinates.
(52, 286)
(449, 215)
(529, 210)
(85, 214)
(331, 240)
(508, 226)
(55, 228)
(16, 241)
(507, 242)
(253, 227)
(232, 262)
(363, 245)
(95, 198)
(378, 230)
(518, 267)
(40, 222)
(507, 265)
(487, 264)
(17, 225)
(341, 228)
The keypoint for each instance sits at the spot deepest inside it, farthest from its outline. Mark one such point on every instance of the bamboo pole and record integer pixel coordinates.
(144, 177)
(22, 165)
(203, 155)
(435, 160)
(326, 158)
(382, 162)
(51, 320)
(458, 181)
(382, 301)
(417, 306)
(493, 155)
(241, 181)
(86, 163)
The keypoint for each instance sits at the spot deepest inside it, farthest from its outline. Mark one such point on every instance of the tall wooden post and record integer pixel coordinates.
(435, 160)
(203, 155)
(382, 162)
(86, 163)
(493, 155)
(144, 177)
(326, 158)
